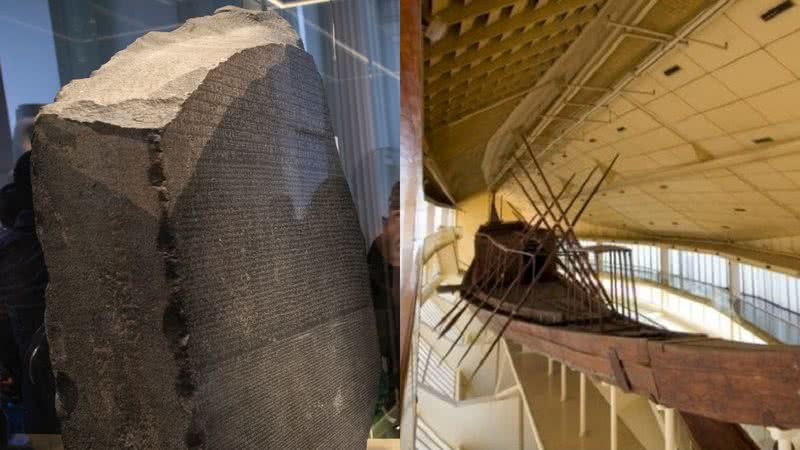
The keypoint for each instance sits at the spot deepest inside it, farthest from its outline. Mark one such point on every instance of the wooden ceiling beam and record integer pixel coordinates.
(479, 99)
(522, 78)
(448, 64)
(549, 47)
(453, 42)
(493, 79)
(494, 83)
(458, 112)
(458, 13)
(501, 102)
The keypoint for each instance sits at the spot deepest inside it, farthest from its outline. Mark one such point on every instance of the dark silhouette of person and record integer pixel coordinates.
(384, 274)
(23, 279)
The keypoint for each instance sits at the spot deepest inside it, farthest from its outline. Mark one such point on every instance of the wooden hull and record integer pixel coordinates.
(710, 434)
(722, 380)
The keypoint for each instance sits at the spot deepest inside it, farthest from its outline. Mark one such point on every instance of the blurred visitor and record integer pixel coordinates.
(384, 270)
(23, 279)
(23, 131)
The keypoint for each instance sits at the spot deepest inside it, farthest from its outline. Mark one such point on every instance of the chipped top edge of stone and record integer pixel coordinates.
(119, 92)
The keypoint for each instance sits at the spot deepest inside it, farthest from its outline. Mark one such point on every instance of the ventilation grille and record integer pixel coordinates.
(778, 9)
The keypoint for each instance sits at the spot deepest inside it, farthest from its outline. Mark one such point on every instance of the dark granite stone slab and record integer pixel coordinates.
(208, 285)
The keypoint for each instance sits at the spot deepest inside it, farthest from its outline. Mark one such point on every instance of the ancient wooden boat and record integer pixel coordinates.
(532, 282)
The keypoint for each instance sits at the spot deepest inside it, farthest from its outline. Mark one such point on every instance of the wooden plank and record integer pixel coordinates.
(710, 434)
(411, 128)
(755, 385)
(762, 387)
(728, 356)
(699, 385)
(620, 378)
(634, 349)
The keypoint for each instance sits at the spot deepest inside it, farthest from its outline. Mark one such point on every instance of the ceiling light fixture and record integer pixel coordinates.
(672, 70)
(763, 140)
(739, 209)
(776, 10)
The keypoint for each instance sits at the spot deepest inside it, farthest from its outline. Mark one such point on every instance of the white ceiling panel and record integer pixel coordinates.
(754, 73)
(738, 116)
(785, 51)
(706, 93)
(746, 14)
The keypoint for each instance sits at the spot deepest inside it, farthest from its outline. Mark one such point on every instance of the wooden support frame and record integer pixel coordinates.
(411, 129)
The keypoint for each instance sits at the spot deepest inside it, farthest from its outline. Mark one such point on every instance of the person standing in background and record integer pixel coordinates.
(384, 272)
(23, 279)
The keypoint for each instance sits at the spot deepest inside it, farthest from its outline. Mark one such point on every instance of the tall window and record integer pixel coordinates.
(645, 257)
(775, 287)
(646, 260)
(699, 267)
(436, 217)
(585, 243)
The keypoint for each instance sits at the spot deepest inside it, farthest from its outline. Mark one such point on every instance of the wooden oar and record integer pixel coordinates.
(524, 298)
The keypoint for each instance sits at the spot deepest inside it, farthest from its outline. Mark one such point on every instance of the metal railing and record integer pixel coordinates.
(775, 320)
(781, 323)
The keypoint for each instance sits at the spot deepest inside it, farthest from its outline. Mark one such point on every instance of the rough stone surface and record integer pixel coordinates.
(208, 284)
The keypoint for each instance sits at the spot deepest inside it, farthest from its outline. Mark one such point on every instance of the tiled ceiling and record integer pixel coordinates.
(712, 153)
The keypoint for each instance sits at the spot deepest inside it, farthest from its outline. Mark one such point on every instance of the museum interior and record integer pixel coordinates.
(475, 224)
(668, 315)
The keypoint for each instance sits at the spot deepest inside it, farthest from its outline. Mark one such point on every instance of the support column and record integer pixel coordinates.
(549, 366)
(669, 429)
(663, 252)
(733, 277)
(582, 413)
(733, 289)
(411, 195)
(599, 259)
(614, 444)
(563, 382)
